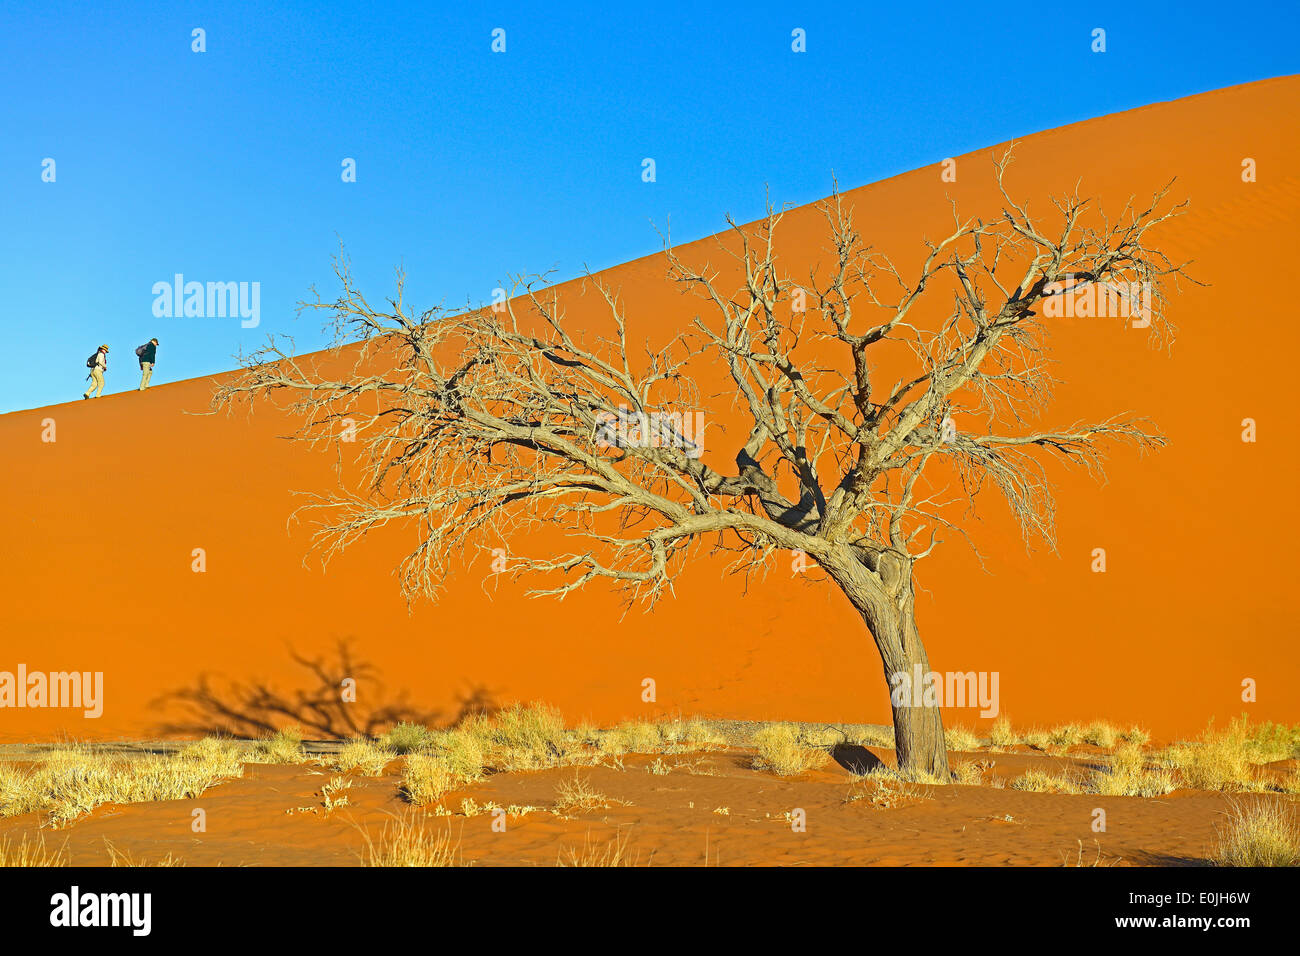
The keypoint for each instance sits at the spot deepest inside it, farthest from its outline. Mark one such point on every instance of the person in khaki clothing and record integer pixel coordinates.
(98, 365)
(148, 355)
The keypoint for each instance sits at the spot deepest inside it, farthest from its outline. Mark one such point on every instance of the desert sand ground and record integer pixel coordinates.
(695, 803)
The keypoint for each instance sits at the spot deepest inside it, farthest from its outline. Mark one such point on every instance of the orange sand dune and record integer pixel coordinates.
(100, 524)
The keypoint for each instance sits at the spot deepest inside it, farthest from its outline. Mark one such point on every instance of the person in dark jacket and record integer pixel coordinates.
(148, 357)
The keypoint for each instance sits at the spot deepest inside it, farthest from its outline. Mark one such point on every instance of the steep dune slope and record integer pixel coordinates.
(99, 526)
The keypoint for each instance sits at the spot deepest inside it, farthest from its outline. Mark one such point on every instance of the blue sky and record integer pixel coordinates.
(471, 165)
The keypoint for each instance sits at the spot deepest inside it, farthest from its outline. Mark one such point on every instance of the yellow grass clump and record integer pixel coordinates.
(1226, 760)
(637, 737)
(643, 737)
(406, 738)
(612, 853)
(426, 778)
(1129, 776)
(780, 751)
(533, 737)
(1066, 736)
(284, 746)
(70, 782)
(821, 736)
(35, 853)
(1056, 741)
(961, 739)
(970, 773)
(1137, 735)
(1260, 834)
(681, 736)
(1290, 783)
(1040, 781)
(1268, 742)
(1094, 860)
(520, 737)
(883, 789)
(924, 777)
(406, 841)
(1218, 760)
(869, 735)
(1002, 735)
(1103, 735)
(125, 859)
(579, 795)
(463, 751)
(363, 756)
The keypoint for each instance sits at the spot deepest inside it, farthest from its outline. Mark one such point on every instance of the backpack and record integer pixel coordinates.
(139, 350)
(93, 360)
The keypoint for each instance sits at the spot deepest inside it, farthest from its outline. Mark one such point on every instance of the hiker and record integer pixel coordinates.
(148, 355)
(98, 365)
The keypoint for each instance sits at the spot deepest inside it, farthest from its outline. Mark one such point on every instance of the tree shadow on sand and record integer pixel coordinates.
(317, 705)
(856, 759)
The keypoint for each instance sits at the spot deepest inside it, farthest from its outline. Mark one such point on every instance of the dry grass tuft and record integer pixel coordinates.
(637, 737)
(883, 789)
(1040, 781)
(674, 736)
(960, 739)
(533, 737)
(870, 736)
(1218, 760)
(1289, 784)
(426, 778)
(780, 751)
(1268, 742)
(1129, 775)
(1037, 739)
(406, 738)
(1056, 741)
(36, 853)
(1260, 834)
(970, 773)
(1097, 860)
(463, 750)
(579, 796)
(1226, 760)
(1101, 734)
(408, 841)
(1002, 734)
(822, 736)
(282, 747)
(363, 756)
(612, 853)
(679, 736)
(122, 858)
(71, 782)
(1137, 735)
(518, 737)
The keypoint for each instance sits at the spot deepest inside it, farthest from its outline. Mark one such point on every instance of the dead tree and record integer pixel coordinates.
(476, 427)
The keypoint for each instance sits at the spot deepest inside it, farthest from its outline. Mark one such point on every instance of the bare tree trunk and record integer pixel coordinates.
(891, 620)
(918, 729)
